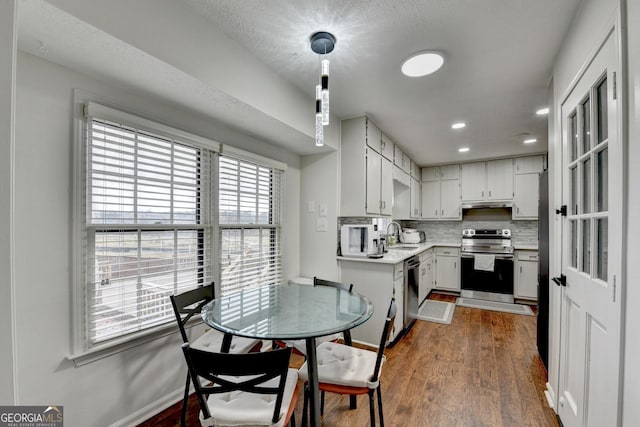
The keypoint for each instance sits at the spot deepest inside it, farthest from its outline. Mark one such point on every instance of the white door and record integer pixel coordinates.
(592, 176)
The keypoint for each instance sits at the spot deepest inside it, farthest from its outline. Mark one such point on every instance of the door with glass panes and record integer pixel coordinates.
(590, 319)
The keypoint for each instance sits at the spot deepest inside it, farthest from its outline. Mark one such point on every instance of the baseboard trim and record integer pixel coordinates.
(154, 408)
(550, 395)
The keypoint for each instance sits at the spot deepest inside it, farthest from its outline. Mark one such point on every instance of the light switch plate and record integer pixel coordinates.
(321, 225)
(311, 206)
(322, 209)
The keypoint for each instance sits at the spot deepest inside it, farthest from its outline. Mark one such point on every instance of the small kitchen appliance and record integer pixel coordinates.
(358, 240)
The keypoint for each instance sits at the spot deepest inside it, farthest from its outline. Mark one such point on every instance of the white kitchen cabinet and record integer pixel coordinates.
(473, 181)
(487, 181)
(387, 146)
(450, 199)
(526, 195)
(441, 197)
(529, 164)
(401, 159)
(447, 268)
(430, 199)
(366, 174)
(415, 198)
(415, 171)
(379, 283)
(526, 275)
(500, 179)
(426, 277)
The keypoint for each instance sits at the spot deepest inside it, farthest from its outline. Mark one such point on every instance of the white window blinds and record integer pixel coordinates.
(148, 227)
(249, 221)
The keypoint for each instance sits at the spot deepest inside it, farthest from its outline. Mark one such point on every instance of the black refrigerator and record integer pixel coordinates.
(543, 268)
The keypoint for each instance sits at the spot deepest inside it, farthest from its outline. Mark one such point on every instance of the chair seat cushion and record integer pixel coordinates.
(239, 408)
(212, 341)
(301, 345)
(344, 365)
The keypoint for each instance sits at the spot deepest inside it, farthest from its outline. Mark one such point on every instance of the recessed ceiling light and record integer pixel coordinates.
(458, 125)
(463, 149)
(422, 64)
(543, 111)
(530, 140)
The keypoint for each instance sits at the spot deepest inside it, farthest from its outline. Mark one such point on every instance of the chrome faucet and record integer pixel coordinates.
(399, 231)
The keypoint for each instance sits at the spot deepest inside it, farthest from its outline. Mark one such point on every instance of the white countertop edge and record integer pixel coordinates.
(396, 256)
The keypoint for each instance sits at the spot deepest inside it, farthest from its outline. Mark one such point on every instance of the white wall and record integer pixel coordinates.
(113, 388)
(8, 38)
(631, 391)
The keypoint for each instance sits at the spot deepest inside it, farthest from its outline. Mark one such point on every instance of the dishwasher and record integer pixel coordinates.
(411, 277)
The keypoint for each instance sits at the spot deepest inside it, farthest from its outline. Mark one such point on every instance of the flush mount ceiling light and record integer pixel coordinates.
(458, 125)
(422, 64)
(543, 111)
(463, 149)
(322, 43)
(530, 140)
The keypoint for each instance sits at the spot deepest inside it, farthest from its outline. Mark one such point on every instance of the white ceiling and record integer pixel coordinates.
(498, 64)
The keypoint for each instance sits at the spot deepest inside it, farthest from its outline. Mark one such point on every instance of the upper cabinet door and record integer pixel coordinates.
(386, 146)
(450, 172)
(530, 164)
(525, 199)
(431, 199)
(473, 181)
(500, 179)
(431, 173)
(450, 199)
(386, 187)
(374, 136)
(373, 200)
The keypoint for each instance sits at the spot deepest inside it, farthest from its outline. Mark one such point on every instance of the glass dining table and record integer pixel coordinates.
(289, 312)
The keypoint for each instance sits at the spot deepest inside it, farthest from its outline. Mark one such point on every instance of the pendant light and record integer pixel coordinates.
(322, 43)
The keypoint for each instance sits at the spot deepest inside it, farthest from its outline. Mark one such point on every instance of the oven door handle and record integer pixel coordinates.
(498, 256)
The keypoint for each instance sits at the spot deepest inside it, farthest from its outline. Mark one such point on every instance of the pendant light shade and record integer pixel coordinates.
(322, 43)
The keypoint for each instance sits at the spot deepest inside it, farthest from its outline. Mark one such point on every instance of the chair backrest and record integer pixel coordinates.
(386, 332)
(246, 372)
(345, 286)
(187, 304)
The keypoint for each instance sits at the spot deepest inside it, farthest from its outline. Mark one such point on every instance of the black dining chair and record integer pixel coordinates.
(352, 371)
(252, 389)
(190, 303)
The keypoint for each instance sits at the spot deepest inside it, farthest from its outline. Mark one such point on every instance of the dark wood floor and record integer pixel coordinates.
(482, 370)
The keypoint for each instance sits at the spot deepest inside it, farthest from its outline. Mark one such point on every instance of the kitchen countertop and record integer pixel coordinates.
(396, 255)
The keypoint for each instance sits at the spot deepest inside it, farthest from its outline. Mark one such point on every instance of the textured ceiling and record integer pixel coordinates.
(499, 58)
(248, 64)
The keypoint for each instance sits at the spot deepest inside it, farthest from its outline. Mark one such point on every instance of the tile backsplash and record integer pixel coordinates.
(522, 231)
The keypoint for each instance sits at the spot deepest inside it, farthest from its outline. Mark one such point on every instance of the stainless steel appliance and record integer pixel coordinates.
(487, 264)
(411, 277)
(358, 240)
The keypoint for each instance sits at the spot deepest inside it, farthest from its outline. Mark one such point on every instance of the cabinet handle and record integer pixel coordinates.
(384, 204)
(441, 212)
(520, 269)
(436, 212)
(455, 265)
(382, 144)
(489, 193)
(518, 209)
(483, 193)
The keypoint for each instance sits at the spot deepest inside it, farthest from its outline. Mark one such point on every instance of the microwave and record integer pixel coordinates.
(358, 240)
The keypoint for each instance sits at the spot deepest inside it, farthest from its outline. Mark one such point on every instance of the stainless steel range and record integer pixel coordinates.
(487, 264)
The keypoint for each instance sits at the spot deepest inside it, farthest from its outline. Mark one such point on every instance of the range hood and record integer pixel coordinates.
(487, 205)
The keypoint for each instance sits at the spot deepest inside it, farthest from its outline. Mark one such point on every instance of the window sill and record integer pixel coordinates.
(113, 347)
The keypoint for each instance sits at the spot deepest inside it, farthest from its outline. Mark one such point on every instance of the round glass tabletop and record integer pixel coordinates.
(291, 311)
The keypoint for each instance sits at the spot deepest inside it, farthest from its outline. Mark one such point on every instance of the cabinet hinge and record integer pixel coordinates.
(562, 211)
(615, 86)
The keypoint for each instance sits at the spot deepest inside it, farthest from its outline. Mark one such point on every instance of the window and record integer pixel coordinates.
(249, 221)
(148, 228)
